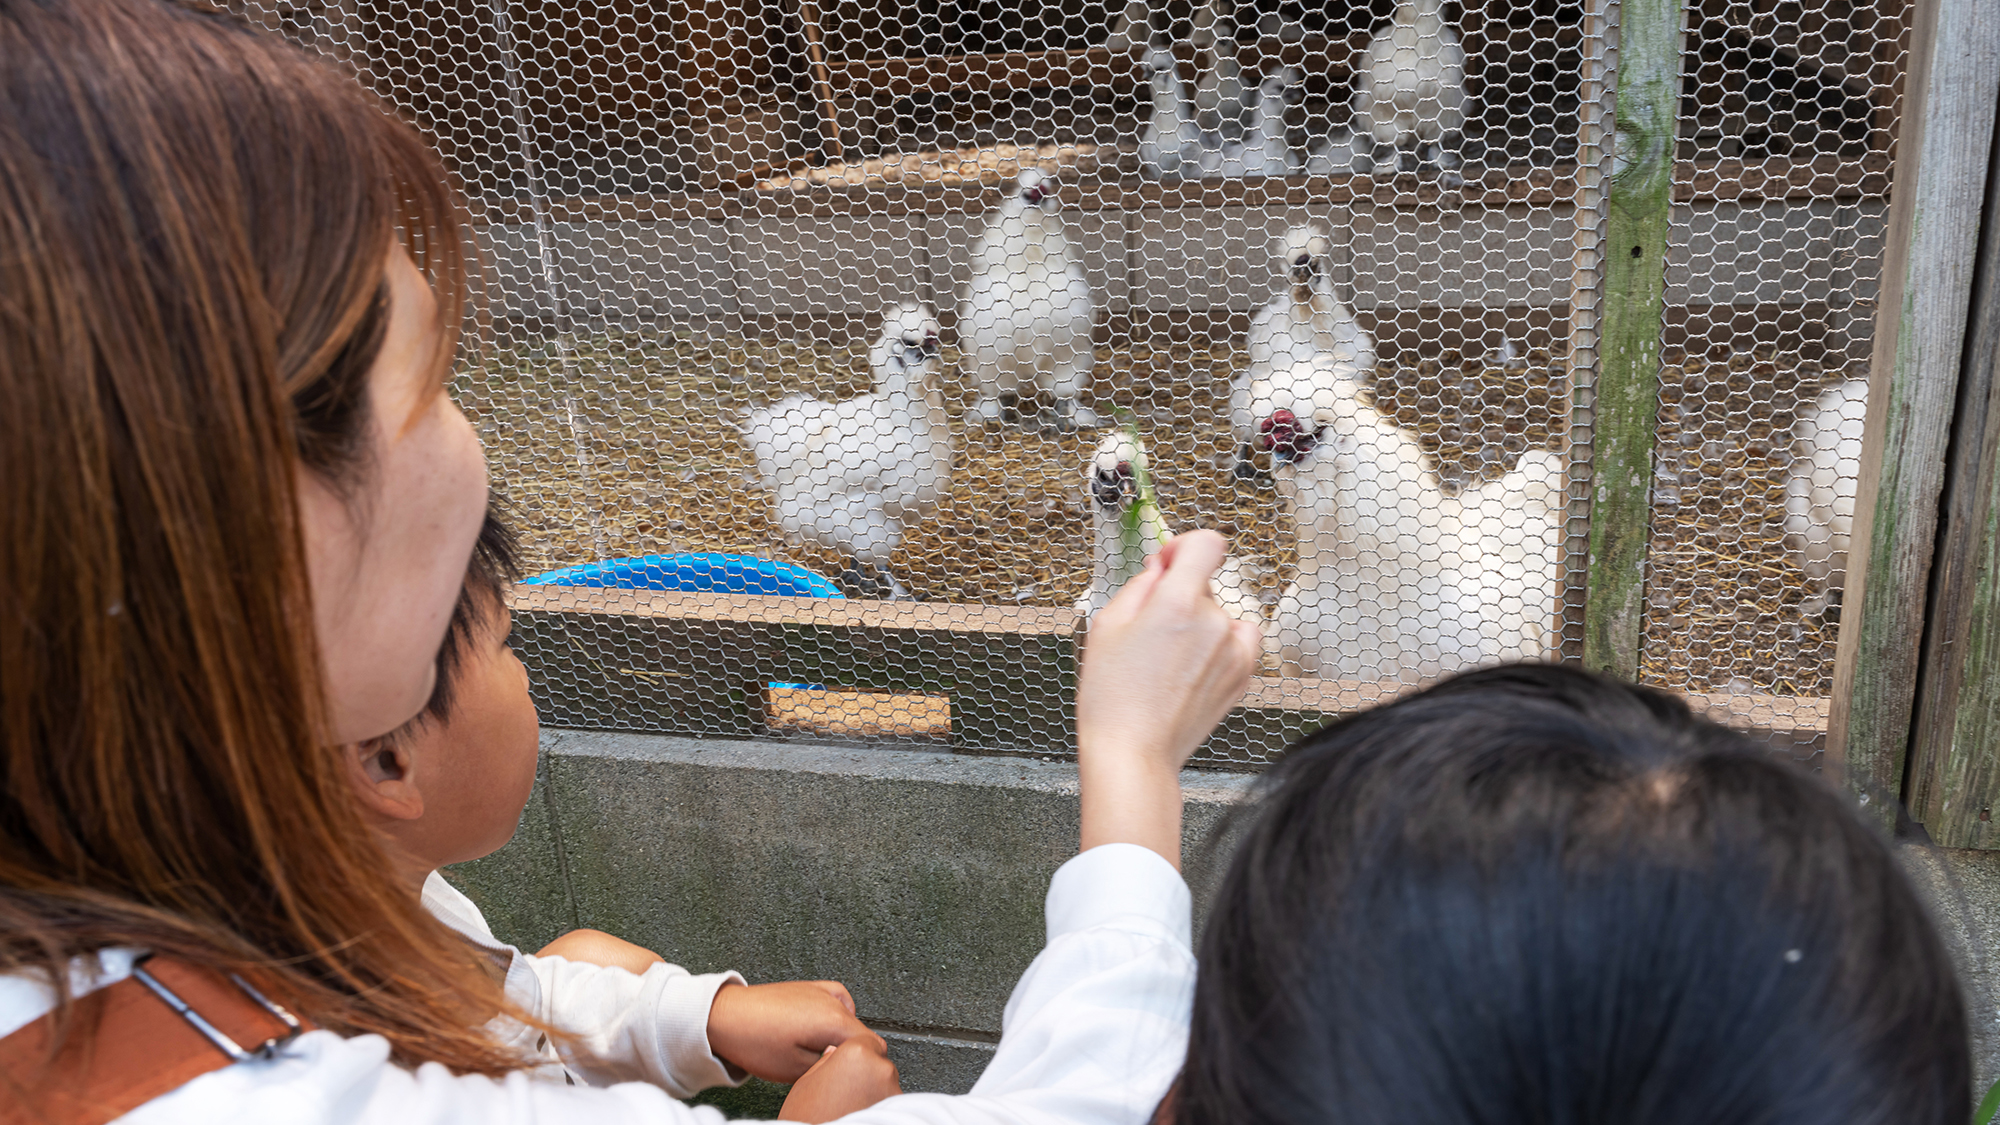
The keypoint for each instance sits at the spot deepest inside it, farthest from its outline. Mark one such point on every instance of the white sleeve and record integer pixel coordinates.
(1096, 1030)
(626, 1028)
(1093, 1035)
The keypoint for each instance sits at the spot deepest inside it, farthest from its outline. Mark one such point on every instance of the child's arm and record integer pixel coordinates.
(1097, 1028)
(1162, 665)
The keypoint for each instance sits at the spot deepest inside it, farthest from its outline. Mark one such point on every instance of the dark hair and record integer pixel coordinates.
(495, 565)
(1532, 894)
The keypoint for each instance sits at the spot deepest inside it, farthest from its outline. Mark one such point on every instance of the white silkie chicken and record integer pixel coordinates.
(1409, 86)
(1171, 140)
(1820, 495)
(1289, 337)
(1025, 319)
(1219, 95)
(1264, 149)
(851, 475)
(1132, 27)
(1127, 530)
(1399, 580)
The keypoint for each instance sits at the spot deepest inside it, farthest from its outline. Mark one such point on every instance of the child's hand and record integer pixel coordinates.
(779, 1031)
(1162, 665)
(851, 1077)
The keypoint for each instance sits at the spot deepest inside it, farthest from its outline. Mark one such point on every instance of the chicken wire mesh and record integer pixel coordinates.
(964, 307)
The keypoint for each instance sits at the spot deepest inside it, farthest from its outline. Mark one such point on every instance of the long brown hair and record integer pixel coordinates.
(194, 225)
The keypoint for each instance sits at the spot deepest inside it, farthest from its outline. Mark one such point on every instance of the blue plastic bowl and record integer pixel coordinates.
(728, 574)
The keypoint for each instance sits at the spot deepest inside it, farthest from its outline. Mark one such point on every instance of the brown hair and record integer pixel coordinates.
(194, 225)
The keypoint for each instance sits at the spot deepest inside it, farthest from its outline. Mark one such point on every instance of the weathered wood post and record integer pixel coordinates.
(1625, 406)
(1914, 389)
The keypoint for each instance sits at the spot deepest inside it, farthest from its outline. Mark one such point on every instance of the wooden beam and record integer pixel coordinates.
(1625, 407)
(984, 677)
(1927, 275)
(829, 110)
(1954, 769)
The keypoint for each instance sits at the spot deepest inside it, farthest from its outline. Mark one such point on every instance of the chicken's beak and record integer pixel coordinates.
(931, 347)
(1285, 437)
(1305, 270)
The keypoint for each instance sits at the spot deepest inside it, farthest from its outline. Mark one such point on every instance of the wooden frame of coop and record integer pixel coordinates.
(775, 103)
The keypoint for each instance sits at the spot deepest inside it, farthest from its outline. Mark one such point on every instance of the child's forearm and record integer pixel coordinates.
(1130, 798)
(1163, 664)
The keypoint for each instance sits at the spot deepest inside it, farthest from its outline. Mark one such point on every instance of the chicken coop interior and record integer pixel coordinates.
(835, 360)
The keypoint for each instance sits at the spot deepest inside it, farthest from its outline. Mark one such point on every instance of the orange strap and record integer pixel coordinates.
(126, 1046)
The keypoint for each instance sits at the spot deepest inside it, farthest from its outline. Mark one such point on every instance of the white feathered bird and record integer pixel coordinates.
(1409, 86)
(1127, 530)
(1025, 319)
(1264, 149)
(1171, 140)
(1825, 479)
(851, 475)
(1289, 337)
(1132, 27)
(1399, 580)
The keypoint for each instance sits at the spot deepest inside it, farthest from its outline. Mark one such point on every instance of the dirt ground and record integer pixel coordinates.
(617, 445)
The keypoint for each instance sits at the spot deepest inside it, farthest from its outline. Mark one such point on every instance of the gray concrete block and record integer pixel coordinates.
(915, 878)
(832, 265)
(936, 1064)
(1474, 257)
(612, 272)
(1964, 887)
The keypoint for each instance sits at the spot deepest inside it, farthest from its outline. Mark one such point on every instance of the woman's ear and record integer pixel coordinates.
(382, 773)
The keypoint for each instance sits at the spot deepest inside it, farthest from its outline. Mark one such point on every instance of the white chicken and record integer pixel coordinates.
(1127, 530)
(1304, 339)
(1409, 87)
(1399, 580)
(1132, 27)
(1024, 321)
(1264, 149)
(1306, 318)
(1171, 140)
(1825, 479)
(851, 475)
(1219, 95)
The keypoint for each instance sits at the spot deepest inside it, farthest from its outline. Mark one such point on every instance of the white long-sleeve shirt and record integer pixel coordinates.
(624, 1028)
(1093, 1034)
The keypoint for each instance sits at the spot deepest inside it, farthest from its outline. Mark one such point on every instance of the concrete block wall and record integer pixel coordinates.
(916, 878)
(837, 267)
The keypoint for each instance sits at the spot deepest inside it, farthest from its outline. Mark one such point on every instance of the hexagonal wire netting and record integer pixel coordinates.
(962, 307)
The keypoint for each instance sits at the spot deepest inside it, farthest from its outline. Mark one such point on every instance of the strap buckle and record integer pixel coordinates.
(265, 1050)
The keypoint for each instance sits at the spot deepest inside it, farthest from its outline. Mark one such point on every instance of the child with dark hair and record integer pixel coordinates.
(1531, 894)
(449, 786)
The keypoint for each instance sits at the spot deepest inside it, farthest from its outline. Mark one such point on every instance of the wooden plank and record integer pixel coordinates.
(1625, 406)
(990, 677)
(699, 663)
(829, 110)
(1954, 770)
(1913, 388)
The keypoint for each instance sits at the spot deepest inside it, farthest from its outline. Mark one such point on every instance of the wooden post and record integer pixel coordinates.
(1954, 768)
(829, 111)
(1627, 400)
(1586, 300)
(1913, 391)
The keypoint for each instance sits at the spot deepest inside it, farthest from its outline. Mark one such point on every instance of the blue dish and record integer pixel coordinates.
(726, 574)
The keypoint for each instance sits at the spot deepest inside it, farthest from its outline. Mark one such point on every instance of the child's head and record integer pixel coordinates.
(1534, 894)
(450, 784)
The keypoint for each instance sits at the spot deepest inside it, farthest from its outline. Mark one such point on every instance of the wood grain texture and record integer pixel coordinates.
(1954, 770)
(1626, 402)
(1913, 389)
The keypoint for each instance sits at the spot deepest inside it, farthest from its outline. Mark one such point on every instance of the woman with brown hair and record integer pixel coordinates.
(235, 511)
